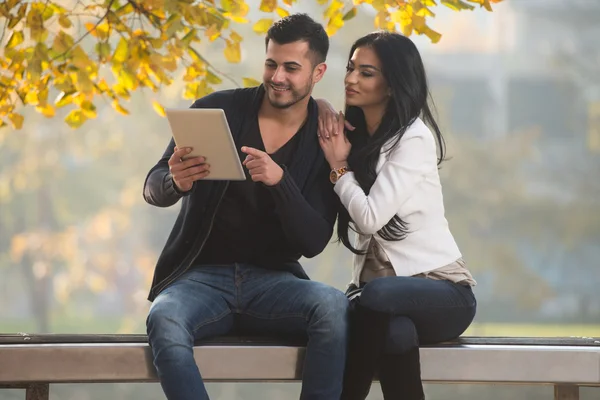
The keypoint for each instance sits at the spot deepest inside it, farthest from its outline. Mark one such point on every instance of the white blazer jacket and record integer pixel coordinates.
(407, 185)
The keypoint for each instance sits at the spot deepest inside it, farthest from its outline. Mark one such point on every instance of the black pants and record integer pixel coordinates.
(388, 322)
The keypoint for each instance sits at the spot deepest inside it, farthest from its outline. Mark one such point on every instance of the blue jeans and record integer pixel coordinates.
(206, 301)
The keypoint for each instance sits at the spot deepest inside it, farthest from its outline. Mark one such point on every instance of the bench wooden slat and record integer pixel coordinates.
(132, 362)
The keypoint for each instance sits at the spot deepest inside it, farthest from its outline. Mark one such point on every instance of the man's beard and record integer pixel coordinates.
(296, 96)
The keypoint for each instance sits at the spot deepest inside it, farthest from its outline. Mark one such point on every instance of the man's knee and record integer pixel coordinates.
(164, 322)
(331, 309)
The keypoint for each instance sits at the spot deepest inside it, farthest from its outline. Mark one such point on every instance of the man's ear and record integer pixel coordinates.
(319, 71)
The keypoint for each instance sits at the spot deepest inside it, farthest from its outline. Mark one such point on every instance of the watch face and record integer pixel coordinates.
(333, 176)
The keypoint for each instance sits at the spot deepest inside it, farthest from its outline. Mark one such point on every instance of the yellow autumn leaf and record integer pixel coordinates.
(381, 19)
(334, 24)
(379, 5)
(263, 25)
(32, 98)
(268, 5)
(333, 9)
(250, 82)
(75, 118)
(88, 109)
(233, 52)
(80, 59)
(212, 32)
(158, 108)
(121, 51)
(425, 12)
(127, 79)
(38, 53)
(282, 12)
(119, 108)
(63, 99)
(16, 39)
(62, 42)
(432, 35)
(91, 28)
(16, 120)
(486, 4)
(64, 21)
(236, 37)
(457, 5)
(46, 110)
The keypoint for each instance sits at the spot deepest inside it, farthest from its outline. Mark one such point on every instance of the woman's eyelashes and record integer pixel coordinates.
(366, 74)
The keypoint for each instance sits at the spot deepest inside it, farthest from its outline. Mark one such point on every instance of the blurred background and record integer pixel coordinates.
(517, 95)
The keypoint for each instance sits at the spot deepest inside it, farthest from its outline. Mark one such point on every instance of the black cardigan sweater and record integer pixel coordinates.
(304, 199)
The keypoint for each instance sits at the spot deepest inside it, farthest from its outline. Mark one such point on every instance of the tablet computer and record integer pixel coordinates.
(207, 132)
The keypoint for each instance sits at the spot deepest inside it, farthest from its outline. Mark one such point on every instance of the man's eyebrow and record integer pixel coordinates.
(288, 63)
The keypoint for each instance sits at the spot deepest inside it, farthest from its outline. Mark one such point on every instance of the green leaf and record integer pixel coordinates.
(350, 14)
(103, 49)
(213, 79)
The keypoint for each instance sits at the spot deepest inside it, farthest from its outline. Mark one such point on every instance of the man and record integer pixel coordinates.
(231, 261)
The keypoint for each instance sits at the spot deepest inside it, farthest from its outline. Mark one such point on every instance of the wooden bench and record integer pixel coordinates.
(33, 362)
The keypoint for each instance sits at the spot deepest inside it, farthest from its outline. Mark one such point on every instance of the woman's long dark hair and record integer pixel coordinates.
(404, 73)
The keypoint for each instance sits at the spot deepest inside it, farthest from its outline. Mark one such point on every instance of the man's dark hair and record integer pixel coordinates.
(301, 27)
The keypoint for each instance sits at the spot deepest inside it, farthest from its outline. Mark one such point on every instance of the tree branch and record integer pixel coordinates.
(108, 11)
(3, 31)
(210, 66)
(146, 13)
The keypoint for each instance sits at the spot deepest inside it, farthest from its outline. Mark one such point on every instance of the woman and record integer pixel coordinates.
(410, 285)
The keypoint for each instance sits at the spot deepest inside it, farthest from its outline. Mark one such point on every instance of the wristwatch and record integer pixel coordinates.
(336, 174)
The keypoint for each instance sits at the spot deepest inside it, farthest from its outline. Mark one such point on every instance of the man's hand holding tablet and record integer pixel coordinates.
(186, 172)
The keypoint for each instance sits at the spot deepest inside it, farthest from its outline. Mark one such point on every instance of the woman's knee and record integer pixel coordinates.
(374, 295)
(402, 336)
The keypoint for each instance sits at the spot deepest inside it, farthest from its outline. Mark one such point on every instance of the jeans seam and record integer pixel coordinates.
(210, 321)
(271, 317)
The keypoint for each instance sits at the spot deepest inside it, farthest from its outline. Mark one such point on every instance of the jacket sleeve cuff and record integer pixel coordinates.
(286, 189)
(171, 188)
